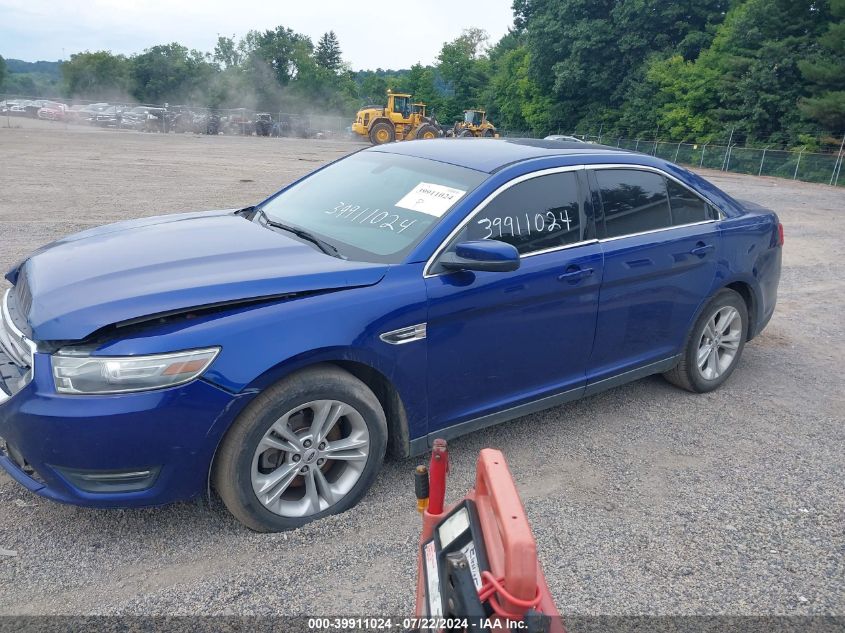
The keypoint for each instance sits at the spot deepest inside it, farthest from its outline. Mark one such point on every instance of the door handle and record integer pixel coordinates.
(574, 273)
(701, 249)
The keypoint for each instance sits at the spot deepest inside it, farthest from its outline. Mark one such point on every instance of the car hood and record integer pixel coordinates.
(130, 270)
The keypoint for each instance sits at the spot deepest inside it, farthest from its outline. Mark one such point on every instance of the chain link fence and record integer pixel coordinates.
(822, 167)
(793, 164)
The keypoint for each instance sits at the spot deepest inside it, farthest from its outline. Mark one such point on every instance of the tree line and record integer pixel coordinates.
(763, 71)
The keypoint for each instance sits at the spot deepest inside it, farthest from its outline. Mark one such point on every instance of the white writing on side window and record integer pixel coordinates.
(517, 226)
(430, 199)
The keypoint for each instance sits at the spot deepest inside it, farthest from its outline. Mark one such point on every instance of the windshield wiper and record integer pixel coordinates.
(323, 245)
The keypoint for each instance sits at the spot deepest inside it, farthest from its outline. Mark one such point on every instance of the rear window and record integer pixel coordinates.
(633, 201)
(687, 207)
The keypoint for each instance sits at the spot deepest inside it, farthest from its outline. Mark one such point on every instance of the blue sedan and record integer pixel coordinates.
(406, 292)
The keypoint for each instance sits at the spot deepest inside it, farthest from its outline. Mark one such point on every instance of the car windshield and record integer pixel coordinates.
(373, 206)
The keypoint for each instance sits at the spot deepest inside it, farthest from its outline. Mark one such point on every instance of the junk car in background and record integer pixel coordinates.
(263, 124)
(52, 111)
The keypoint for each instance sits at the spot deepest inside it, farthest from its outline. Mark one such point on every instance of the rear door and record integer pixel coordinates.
(661, 245)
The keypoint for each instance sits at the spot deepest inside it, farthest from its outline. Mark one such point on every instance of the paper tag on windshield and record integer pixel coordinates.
(431, 199)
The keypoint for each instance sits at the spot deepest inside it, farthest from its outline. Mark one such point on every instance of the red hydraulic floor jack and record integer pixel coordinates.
(477, 564)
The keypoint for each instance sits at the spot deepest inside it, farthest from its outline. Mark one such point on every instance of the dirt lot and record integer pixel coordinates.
(644, 499)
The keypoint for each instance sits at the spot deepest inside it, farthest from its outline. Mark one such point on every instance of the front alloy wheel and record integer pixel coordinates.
(309, 446)
(310, 458)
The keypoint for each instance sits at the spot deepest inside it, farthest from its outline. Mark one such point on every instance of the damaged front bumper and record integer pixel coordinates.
(127, 450)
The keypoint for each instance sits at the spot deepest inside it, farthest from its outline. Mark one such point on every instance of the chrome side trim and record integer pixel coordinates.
(405, 335)
(481, 205)
(554, 249)
(557, 170)
(660, 230)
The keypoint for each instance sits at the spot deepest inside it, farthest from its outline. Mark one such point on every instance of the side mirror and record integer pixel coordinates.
(482, 255)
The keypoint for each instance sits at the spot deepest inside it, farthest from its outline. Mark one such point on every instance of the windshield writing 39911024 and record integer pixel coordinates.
(377, 218)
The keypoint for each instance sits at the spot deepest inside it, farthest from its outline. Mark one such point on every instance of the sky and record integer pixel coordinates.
(38, 30)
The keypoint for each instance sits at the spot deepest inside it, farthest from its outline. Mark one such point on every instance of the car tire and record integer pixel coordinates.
(248, 461)
(714, 345)
(427, 131)
(382, 133)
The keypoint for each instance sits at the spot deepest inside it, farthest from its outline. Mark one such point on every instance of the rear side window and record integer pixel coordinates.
(686, 206)
(540, 213)
(633, 201)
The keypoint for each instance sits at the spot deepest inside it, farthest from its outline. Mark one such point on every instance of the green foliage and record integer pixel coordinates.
(169, 73)
(748, 80)
(2, 71)
(98, 76)
(226, 54)
(588, 54)
(826, 72)
(328, 54)
(282, 50)
(372, 87)
(37, 79)
(465, 69)
(768, 71)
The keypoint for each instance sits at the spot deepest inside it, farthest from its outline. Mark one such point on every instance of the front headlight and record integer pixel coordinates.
(83, 374)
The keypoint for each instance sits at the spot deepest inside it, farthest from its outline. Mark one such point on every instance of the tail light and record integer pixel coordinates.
(780, 234)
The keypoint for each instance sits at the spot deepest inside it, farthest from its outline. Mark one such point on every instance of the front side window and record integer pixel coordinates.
(473, 118)
(400, 104)
(373, 206)
(633, 201)
(537, 214)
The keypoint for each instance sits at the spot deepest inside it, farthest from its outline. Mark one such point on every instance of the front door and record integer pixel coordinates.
(499, 340)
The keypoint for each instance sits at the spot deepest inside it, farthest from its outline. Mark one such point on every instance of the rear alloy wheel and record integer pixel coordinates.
(309, 446)
(719, 343)
(382, 133)
(714, 345)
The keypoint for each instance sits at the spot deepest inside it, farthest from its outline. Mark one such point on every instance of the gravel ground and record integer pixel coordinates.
(644, 499)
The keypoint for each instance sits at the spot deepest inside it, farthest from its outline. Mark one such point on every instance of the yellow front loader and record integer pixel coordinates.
(475, 123)
(400, 120)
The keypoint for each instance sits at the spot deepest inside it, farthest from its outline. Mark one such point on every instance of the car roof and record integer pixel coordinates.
(490, 155)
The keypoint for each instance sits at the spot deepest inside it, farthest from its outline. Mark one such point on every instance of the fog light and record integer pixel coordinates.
(19, 460)
(103, 481)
